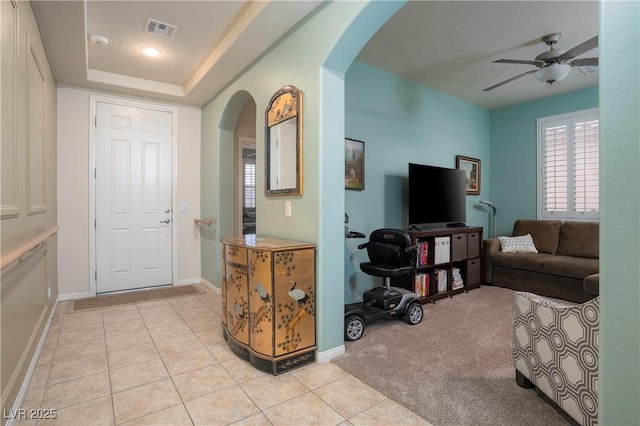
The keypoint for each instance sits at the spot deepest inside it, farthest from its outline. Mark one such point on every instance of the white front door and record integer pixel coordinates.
(133, 197)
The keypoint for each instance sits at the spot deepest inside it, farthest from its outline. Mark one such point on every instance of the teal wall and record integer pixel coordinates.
(402, 122)
(514, 156)
(619, 372)
(314, 59)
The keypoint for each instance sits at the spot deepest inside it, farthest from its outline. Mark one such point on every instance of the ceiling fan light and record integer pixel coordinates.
(553, 73)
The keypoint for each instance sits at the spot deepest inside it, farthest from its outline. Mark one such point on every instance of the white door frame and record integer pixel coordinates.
(93, 100)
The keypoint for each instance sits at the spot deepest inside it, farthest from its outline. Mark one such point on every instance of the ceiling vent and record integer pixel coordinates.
(160, 29)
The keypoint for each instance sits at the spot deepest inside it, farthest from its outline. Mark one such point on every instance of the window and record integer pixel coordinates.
(568, 169)
(249, 184)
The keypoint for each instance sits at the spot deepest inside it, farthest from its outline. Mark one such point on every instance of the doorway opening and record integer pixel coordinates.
(132, 197)
(247, 187)
(246, 169)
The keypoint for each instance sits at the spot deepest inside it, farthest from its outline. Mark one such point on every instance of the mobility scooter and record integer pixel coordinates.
(390, 255)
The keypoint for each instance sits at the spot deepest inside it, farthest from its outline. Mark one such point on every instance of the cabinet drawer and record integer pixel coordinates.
(236, 255)
(473, 271)
(473, 244)
(459, 247)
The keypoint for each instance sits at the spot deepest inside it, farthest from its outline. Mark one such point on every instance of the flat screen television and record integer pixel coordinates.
(437, 196)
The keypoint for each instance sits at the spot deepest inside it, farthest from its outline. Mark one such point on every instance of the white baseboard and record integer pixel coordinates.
(213, 287)
(22, 393)
(326, 356)
(72, 296)
(188, 281)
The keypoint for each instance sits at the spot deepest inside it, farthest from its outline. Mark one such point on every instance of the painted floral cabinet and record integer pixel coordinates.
(269, 300)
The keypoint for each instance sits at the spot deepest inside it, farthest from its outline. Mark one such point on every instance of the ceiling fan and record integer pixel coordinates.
(554, 64)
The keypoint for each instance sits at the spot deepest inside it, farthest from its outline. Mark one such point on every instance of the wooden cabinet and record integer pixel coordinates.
(268, 301)
(447, 262)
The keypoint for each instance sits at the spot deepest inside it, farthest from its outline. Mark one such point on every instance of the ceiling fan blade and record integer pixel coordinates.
(509, 80)
(579, 49)
(584, 62)
(538, 64)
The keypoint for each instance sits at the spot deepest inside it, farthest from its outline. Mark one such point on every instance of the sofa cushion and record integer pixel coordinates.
(563, 266)
(521, 244)
(527, 261)
(570, 266)
(580, 239)
(545, 233)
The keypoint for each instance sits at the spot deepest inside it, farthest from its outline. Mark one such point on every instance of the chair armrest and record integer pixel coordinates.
(490, 246)
(411, 249)
(547, 302)
(555, 346)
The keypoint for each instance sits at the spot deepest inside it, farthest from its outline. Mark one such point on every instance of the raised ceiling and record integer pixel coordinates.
(446, 45)
(214, 42)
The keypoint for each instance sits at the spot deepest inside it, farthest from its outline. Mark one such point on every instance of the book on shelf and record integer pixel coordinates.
(423, 253)
(421, 284)
(442, 250)
(441, 280)
(456, 279)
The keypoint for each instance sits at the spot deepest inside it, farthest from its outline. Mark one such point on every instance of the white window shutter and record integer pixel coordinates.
(555, 169)
(586, 167)
(249, 185)
(568, 159)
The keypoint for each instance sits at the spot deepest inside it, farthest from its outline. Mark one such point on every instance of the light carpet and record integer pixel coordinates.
(455, 367)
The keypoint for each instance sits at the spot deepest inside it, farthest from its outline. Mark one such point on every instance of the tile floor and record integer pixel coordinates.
(165, 363)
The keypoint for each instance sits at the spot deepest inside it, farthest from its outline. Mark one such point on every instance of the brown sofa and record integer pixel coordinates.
(565, 267)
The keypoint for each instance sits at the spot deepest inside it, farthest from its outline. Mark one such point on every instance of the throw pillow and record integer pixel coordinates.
(521, 244)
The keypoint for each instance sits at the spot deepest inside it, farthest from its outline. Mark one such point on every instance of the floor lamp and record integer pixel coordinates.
(493, 208)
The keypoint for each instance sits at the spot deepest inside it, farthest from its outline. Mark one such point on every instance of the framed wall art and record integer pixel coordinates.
(353, 164)
(471, 167)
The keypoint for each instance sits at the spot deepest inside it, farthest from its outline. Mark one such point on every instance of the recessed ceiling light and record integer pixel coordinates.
(150, 51)
(99, 40)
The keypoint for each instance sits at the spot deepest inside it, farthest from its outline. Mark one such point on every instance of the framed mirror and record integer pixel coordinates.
(283, 150)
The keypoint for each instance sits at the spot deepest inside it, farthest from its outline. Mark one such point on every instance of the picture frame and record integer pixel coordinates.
(471, 167)
(353, 164)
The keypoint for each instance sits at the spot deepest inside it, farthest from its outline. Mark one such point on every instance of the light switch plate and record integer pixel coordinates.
(183, 207)
(287, 208)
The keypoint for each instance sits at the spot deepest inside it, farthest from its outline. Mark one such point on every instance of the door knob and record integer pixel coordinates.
(166, 221)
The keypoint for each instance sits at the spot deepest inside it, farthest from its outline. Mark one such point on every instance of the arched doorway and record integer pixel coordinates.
(332, 128)
(237, 128)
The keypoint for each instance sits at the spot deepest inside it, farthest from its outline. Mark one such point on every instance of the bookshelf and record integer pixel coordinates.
(447, 263)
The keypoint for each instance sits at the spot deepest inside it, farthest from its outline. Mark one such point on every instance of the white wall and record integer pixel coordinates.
(74, 186)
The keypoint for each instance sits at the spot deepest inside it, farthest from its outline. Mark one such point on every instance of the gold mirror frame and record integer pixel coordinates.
(283, 143)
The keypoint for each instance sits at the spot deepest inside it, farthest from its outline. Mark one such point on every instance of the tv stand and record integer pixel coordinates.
(449, 254)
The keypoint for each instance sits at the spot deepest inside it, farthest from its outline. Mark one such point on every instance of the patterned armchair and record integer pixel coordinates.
(555, 348)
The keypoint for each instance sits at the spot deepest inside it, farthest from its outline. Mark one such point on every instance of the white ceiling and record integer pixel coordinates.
(449, 46)
(214, 42)
(446, 45)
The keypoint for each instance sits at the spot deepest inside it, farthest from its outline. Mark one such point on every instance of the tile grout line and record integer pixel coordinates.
(167, 370)
(106, 350)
